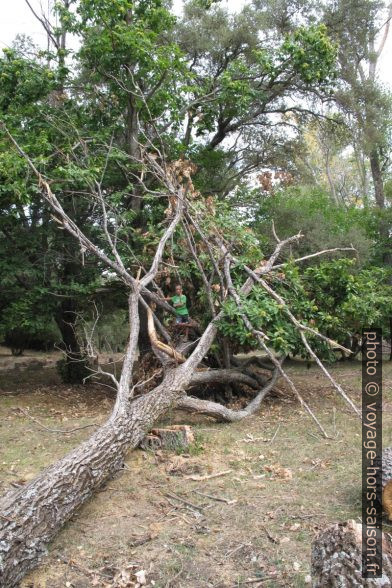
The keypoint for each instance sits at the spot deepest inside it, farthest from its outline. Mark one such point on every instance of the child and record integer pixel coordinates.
(179, 303)
(182, 314)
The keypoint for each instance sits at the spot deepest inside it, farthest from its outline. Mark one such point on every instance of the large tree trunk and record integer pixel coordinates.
(337, 559)
(377, 179)
(31, 516)
(74, 369)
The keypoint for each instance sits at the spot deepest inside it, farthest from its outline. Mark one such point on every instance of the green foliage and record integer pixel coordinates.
(22, 82)
(221, 89)
(324, 224)
(332, 297)
(349, 300)
(311, 53)
(126, 45)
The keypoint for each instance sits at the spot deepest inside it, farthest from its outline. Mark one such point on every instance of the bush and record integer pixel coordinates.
(21, 338)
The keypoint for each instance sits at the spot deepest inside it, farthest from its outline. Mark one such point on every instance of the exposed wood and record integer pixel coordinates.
(173, 438)
(157, 345)
(32, 515)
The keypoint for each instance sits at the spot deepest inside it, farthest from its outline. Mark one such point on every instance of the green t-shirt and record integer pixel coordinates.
(180, 310)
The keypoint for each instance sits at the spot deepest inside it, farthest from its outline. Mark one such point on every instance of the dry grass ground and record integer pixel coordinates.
(252, 526)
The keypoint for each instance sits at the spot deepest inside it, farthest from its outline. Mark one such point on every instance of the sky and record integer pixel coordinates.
(15, 17)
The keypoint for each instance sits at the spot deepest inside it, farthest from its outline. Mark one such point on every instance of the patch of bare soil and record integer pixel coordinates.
(240, 509)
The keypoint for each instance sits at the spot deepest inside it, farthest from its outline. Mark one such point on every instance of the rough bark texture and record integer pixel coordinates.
(75, 364)
(337, 559)
(387, 481)
(377, 179)
(221, 412)
(31, 516)
(228, 376)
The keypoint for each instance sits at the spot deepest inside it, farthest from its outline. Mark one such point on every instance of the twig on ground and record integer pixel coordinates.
(270, 537)
(186, 502)
(274, 435)
(208, 476)
(55, 430)
(238, 548)
(217, 498)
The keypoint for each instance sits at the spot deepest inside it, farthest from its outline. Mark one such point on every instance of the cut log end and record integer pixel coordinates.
(337, 558)
(174, 438)
(387, 499)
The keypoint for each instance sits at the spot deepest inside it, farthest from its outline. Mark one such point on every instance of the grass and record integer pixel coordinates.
(278, 494)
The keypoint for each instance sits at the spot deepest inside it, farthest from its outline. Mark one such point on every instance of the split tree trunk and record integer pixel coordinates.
(337, 559)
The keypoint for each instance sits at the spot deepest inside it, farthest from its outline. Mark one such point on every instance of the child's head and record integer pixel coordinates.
(178, 289)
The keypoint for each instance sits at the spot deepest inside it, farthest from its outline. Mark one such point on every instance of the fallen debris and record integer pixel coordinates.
(208, 476)
(217, 498)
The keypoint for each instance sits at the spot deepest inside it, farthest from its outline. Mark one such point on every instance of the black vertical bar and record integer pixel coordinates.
(372, 453)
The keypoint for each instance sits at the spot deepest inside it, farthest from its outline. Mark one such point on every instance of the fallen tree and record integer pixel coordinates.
(32, 515)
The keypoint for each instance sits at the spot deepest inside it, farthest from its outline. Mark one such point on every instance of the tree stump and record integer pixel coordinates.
(387, 481)
(337, 559)
(173, 438)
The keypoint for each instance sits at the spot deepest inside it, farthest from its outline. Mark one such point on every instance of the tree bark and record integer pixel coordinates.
(223, 377)
(75, 366)
(171, 438)
(386, 481)
(377, 179)
(337, 559)
(31, 516)
(221, 412)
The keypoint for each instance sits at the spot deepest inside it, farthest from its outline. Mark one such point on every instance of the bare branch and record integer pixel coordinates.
(260, 338)
(46, 25)
(222, 413)
(317, 254)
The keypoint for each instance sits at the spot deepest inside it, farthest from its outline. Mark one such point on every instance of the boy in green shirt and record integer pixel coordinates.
(179, 303)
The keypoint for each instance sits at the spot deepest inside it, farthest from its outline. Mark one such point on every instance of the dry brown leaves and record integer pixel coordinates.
(278, 471)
